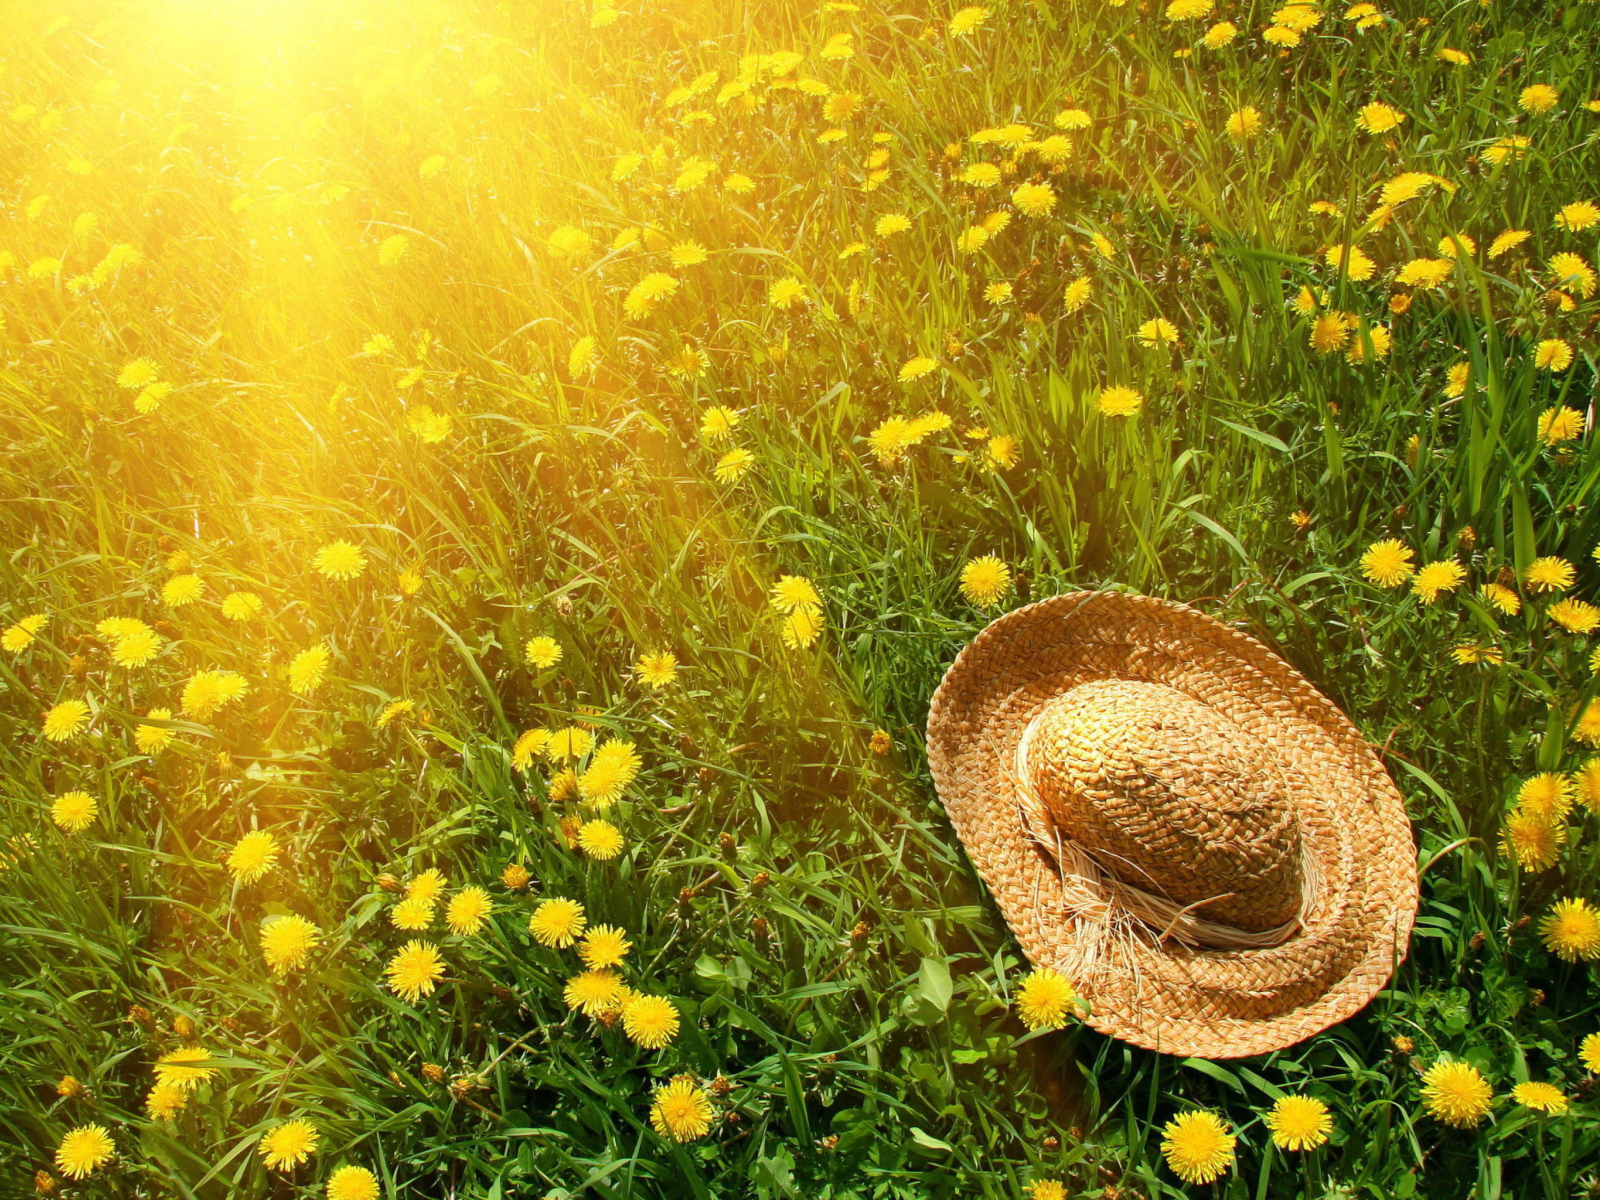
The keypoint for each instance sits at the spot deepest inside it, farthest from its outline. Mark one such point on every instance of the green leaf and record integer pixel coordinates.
(935, 985)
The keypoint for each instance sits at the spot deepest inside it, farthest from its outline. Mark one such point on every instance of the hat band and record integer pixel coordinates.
(1095, 886)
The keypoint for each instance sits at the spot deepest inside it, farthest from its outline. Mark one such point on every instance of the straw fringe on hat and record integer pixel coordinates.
(1172, 817)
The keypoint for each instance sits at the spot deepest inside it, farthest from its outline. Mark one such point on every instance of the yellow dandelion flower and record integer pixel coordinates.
(571, 742)
(1552, 354)
(1575, 616)
(557, 923)
(66, 720)
(1425, 273)
(650, 1021)
(593, 993)
(916, 368)
(1456, 1093)
(1502, 598)
(1219, 35)
(181, 590)
(1077, 293)
(139, 373)
(84, 1150)
(1548, 796)
(734, 465)
(340, 560)
(681, 1110)
(787, 292)
(1538, 98)
(20, 636)
(1158, 332)
(1573, 272)
(718, 422)
(1197, 1146)
(801, 628)
(1034, 199)
(541, 652)
(1589, 1052)
(985, 580)
(1549, 574)
(1559, 424)
(604, 946)
(1541, 1097)
(152, 739)
(308, 669)
(253, 856)
(1379, 118)
(794, 591)
(1532, 840)
(656, 670)
(1571, 930)
(1119, 401)
(1587, 729)
(74, 811)
(966, 20)
(241, 606)
(185, 1068)
(1387, 563)
(468, 911)
(1586, 785)
(1045, 999)
(414, 971)
(1578, 216)
(600, 839)
(352, 1183)
(1437, 578)
(285, 1147)
(287, 941)
(165, 1101)
(1299, 1123)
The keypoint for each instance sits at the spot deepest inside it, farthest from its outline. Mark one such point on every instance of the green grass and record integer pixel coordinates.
(801, 898)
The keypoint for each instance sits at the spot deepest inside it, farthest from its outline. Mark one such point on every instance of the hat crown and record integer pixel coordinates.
(1171, 797)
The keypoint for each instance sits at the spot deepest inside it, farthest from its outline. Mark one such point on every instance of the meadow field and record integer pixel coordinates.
(489, 490)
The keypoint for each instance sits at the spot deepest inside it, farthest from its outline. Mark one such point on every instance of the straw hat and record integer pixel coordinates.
(1172, 817)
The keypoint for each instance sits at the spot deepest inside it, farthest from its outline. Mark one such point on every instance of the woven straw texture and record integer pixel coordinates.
(1175, 819)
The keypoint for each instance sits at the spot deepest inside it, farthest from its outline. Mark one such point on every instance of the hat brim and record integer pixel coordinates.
(1166, 996)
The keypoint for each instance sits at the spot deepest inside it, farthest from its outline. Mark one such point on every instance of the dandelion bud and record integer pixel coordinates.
(759, 880)
(881, 742)
(730, 848)
(515, 876)
(1050, 1144)
(859, 936)
(1477, 942)
(721, 1086)
(183, 1025)
(433, 1072)
(563, 605)
(831, 1142)
(1467, 539)
(78, 667)
(760, 928)
(1404, 1045)
(44, 1183)
(69, 1088)
(389, 882)
(1536, 997)
(138, 1014)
